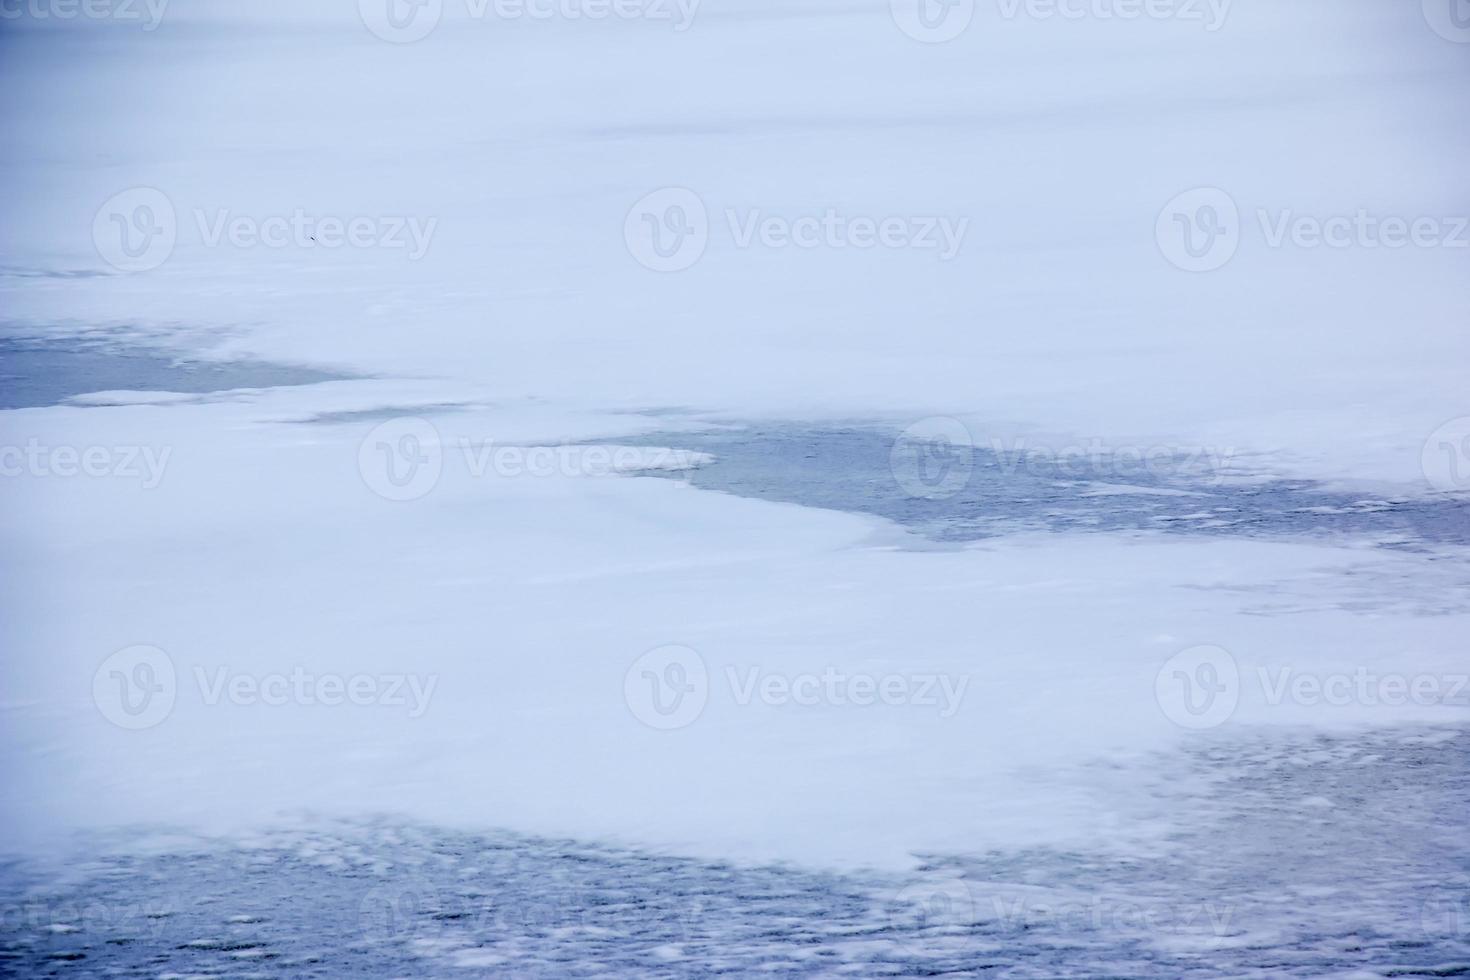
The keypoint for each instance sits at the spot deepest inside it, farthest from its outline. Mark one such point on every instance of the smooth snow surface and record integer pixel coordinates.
(530, 140)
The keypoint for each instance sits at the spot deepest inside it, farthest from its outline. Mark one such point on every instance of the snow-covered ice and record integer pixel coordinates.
(509, 574)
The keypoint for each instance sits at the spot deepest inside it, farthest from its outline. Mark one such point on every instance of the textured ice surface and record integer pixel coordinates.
(1286, 854)
(1009, 485)
(265, 547)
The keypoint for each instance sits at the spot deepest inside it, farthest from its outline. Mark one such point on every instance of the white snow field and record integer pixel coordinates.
(389, 624)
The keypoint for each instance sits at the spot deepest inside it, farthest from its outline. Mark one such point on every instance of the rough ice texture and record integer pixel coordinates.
(1305, 856)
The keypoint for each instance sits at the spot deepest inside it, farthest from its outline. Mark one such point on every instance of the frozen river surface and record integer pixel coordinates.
(1306, 855)
(952, 484)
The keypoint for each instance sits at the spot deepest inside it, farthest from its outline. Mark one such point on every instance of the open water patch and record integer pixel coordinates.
(948, 490)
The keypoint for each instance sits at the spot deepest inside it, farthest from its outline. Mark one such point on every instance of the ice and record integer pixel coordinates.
(326, 568)
(510, 608)
(530, 140)
(1220, 898)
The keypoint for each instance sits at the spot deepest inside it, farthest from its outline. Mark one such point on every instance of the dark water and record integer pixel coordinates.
(40, 372)
(1299, 855)
(950, 491)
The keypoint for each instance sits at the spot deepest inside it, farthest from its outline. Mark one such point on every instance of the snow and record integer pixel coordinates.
(508, 609)
(464, 644)
(529, 140)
